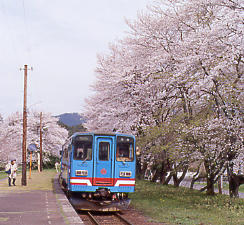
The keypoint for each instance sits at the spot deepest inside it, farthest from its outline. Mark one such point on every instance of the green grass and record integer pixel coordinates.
(38, 181)
(241, 188)
(2, 175)
(184, 206)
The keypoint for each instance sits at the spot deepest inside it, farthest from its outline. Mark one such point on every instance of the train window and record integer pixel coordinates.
(65, 153)
(104, 151)
(83, 148)
(125, 149)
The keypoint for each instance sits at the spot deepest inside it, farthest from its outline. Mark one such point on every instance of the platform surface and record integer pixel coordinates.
(35, 207)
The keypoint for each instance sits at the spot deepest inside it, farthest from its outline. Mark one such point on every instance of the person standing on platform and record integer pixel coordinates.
(57, 166)
(11, 170)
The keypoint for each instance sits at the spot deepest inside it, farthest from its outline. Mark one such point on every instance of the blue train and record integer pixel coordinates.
(98, 168)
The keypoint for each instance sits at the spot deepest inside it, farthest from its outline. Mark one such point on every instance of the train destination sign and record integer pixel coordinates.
(83, 138)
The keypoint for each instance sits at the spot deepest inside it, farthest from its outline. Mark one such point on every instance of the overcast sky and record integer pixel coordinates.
(60, 39)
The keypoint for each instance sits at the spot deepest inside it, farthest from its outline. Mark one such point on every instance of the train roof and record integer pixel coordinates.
(96, 133)
(100, 134)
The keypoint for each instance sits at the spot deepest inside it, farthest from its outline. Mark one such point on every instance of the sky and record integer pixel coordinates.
(60, 39)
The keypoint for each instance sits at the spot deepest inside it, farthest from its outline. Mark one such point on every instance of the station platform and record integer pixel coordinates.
(35, 207)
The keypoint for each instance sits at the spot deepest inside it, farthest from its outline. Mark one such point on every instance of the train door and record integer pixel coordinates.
(103, 166)
(65, 164)
(69, 164)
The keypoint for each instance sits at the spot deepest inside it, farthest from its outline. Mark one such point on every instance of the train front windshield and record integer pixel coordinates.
(125, 149)
(83, 148)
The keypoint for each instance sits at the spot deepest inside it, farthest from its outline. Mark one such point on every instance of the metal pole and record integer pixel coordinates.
(30, 164)
(23, 180)
(41, 142)
(38, 162)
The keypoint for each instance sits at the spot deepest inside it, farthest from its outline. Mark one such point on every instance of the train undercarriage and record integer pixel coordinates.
(101, 200)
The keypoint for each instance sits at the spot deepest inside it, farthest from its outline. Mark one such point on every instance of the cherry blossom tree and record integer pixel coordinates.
(218, 141)
(53, 135)
(181, 61)
(11, 135)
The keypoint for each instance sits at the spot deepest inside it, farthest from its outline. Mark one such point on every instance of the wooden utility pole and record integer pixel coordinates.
(23, 180)
(41, 142)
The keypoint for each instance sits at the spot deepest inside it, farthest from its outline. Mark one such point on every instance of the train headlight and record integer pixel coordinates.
(81, 172)
(125, 173)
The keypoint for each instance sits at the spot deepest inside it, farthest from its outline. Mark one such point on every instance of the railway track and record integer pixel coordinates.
(103, 218)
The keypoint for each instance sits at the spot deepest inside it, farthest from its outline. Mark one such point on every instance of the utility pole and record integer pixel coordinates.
(41, 142)
(23, 180)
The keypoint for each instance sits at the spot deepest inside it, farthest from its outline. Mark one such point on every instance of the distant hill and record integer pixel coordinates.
(71, 119)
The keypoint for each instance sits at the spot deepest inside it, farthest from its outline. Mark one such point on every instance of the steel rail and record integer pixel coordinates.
(92, 218)
(122, 219)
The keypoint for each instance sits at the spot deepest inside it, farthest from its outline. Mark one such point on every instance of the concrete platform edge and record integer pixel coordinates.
(67, 211)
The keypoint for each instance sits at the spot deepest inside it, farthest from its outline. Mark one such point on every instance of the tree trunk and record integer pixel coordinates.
(196, 176)
(167, 180)
(210, 186)
(210, 178)
(220, 184)
(164, 169)
(177, 180)
(138, 168)
(163, 177)
(234, 182)
(144, 168)
(156, 175)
